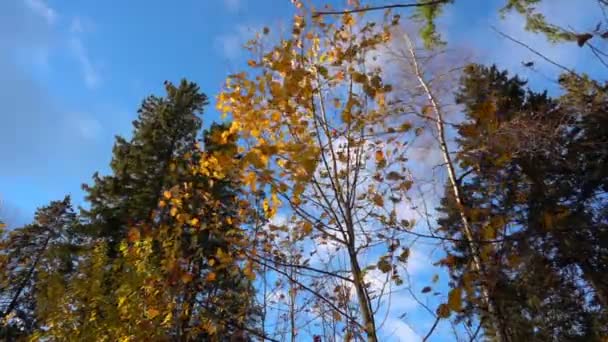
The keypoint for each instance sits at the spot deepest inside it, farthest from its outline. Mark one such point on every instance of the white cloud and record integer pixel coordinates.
(233, 5)
(397, 331)
(231, 44)
(80, 25)
(90, 73)
(41, 8)
(87, 127)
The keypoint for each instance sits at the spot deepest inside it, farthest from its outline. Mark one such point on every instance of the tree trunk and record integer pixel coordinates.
(362, 296)
(476, 264)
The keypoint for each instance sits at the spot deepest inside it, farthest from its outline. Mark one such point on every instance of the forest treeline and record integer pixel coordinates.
(286, 220)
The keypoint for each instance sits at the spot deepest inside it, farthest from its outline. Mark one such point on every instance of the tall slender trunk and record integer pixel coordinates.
(362, 295)
(292, 306)
(477, 266)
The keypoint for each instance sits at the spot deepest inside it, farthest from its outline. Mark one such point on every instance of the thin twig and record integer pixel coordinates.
(536, 52)
(432, 329)
(375, 8)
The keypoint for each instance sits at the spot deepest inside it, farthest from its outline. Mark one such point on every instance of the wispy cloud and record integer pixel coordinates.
(231, 44)
(89, 72)
(233, 5)
(88, 128)
(41, 8)
(397, 330)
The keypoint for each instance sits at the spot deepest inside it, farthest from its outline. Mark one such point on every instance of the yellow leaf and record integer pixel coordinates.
(455, 299)
(229, 220)
(167, 194)
(307, 228)
(211, 276)
(173, 211)
(250, 180)
(348, 20)
(211, 262)
(167, 319)
(121, 300)
(186, 278)
(248, 272)
(194, 221)
(379, 156)
(275, 116)
(266, 206)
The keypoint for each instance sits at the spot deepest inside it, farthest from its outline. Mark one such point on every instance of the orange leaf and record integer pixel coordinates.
(133, 235)
(152, 312)
(211, 276)
(379, 156)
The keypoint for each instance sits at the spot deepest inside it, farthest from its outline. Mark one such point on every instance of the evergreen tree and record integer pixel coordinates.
(164, 236)
(522, 190)
(165, 130)
(26, 254)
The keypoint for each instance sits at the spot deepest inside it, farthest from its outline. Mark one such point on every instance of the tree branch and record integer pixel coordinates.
(376, 8)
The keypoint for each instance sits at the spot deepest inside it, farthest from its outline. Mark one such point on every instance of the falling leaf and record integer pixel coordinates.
(426, 289)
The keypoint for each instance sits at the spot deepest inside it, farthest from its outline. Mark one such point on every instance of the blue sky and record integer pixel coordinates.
(75, 72)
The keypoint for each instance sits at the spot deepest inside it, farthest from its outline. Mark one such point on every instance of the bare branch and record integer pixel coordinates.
(432, 329)
(376, 8)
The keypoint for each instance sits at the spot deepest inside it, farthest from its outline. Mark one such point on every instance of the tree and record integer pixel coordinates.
(165, 130)
(521, 154)
(321, 136)
(26, 253)
(164, 234)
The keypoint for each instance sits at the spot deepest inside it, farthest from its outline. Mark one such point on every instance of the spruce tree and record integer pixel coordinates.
(165, 130)
(523, 185)
(170, 234)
